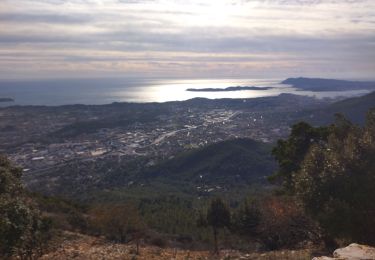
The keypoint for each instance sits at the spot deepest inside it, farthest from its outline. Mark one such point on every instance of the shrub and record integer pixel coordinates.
(274, 222)
(159, 242)
(119, 222)
(283, 224)
(23, 231)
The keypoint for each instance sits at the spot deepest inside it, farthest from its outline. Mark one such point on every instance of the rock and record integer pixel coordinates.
(355, 252)
(351, 252)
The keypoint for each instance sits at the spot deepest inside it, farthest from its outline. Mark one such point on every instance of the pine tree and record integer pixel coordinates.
(218, 216)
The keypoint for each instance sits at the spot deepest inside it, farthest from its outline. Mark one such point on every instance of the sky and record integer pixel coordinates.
(187, 38)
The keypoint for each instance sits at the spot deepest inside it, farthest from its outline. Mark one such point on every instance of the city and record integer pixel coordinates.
(41, 143)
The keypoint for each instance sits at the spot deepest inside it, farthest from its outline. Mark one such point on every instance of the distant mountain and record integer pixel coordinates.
(6, 100)
(233, 162)
(228, 89)
(316, 84)
(354, 109)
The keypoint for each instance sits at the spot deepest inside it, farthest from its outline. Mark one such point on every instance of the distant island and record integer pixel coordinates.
(6, 100)
(317, 84)
(237, 88)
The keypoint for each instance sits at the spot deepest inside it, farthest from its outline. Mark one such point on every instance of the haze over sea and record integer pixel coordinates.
(106, 91)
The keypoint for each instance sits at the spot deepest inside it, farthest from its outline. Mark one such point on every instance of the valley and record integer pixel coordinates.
(46, 140)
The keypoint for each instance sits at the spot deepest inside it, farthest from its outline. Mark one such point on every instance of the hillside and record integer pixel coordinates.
(317, 84)
(225, 168)
(355, 109)
(232, 162)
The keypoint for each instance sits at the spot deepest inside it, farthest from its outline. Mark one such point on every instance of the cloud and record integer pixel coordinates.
(109, 37)
(44, 18)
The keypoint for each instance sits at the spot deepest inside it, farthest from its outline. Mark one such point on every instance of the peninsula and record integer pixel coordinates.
(6, 100)
(317, 84)
(237, 88)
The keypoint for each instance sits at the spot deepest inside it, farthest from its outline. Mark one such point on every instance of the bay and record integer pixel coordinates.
(106, 91)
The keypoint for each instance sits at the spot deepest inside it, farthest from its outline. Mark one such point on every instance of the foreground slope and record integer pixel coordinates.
(82, 247)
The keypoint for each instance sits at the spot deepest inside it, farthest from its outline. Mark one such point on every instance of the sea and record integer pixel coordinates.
(106, 91)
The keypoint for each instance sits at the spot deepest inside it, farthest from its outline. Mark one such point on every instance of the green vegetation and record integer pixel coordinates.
(273, 223)
(23, 231)
(247, 218)
(64, 214)
(335, 180)
(121, 223)
(354, 109)
(218, 216)
(232, 168)
(229, 163)
(291, 152)
(326, 174)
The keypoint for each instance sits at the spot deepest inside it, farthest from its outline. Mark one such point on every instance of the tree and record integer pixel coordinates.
(334, 178)
(247, 219)
(10, 178)
(23, 231)
(336, 182)
(291, 152)
(218, 216)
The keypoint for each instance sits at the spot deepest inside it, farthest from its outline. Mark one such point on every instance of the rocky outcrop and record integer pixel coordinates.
(351, 252)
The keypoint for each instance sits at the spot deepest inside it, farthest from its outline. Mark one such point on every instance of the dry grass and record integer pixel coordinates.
(82, 247)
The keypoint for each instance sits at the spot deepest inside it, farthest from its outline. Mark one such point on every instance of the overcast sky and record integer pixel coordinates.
(187, 38)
